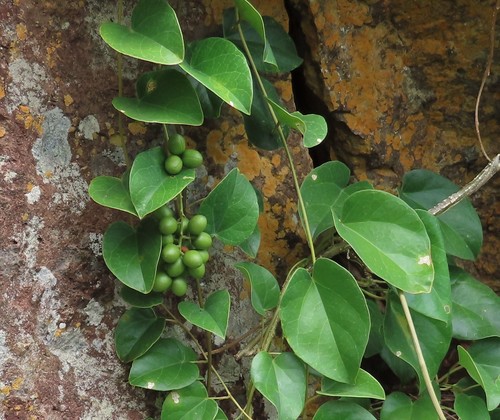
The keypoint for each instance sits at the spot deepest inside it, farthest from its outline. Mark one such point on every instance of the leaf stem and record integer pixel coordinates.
(305, 221)
(420, 356)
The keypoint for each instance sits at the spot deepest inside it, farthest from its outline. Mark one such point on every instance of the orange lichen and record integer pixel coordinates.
(68, 100)
(137, 127)
(3, 131)
(214, 147)
(21, 31)
(248, 161)
(30, 122)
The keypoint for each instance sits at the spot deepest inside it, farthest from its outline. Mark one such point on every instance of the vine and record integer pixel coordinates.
(404, 305)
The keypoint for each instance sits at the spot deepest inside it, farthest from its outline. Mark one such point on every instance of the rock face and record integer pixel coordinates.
(399, 82)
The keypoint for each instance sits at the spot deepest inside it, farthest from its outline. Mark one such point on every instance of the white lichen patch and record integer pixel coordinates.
(45, 293)
(9, 176)
(34, 195)
(116, 156)
(4, 351)
(28, 242)
(53, 162)
(27, 86)
(94, 312)
(95, 243)
(88, 127)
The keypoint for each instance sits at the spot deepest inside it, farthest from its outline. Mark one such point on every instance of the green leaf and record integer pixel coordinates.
(482, 361)
(461, 226)
(376, 338)
(231, 209)
(155, 34)
(277, 41)
(401, 369)
(476, 308)
(399, 406)
(259, 125)
(211, 104)
(132, 255)
(364, 386)
(321, 189)
(282, 381)
(221, 67)
(110, 192)
(437, 303)
(265, 288)
(137, 330)
(167, 365)
(213, 316)
(191, 402)
(141, 300)
(150, 185)
(434, 337)
(250, 246)
(389, 237)
(163, 96)
(470, 407)
(313, 127)
(345, 410)
(325, 320)
(220, 415)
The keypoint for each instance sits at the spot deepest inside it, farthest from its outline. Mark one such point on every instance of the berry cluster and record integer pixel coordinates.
(184, 252)
(180, 157)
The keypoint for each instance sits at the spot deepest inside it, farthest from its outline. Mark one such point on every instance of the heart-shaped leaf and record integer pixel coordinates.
(137, 330)
(313, 127)
(434, 337)
(150, 185)
(250, 245)
(437, 303)
(476, 308)
(265, 288)
(276, 40)
(364, 386)
(331, 177)
(213, 316)
(231, 209)
(482, 361)
(345, 410)
(470, 407)
(461, 226)
(325, 320)
(167, 365)
(282, 381)
(191, 402)
(155, 34)
(110, 192)
(132, 255)
(163, 96)
(221, 67)
(389, 237)
(376, 338)
(399, 406)
(140, 300)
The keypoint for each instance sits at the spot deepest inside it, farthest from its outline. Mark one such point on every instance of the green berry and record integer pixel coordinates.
(192, 158)
(197, 272)
(176, 268)
(192, 259)
(197, 224)
(168, 225)
(179, 287)
(173, 164)
(176, 144)
(204, 256)
(167, 239)
(170, 253)
(162, 282)
(203, 241)
(163, 211)
(183, 224)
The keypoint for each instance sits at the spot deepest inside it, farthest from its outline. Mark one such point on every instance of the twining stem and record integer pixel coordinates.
(420, 356)
(305, 221)
(208, 338)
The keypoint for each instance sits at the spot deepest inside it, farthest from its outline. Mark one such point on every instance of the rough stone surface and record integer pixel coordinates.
(58, 130)
(398, 81)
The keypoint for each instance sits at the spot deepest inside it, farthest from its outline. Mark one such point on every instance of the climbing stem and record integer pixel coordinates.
(305, 221)
(420, 356)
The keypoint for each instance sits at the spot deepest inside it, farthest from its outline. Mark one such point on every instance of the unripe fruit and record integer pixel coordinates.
(197, 224)
(167, 239)
(183, 224)
(197, 272)
(204, 256)
(192, 259)
(173, 164)
(176, 268)
(192, 158)
(162, 282)
(170, 253)
(163, 211)
(168, 225)
(203, 241)
(176, 144)
(179, 287)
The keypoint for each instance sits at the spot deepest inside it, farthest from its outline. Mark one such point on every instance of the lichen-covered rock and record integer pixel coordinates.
(399, 80)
